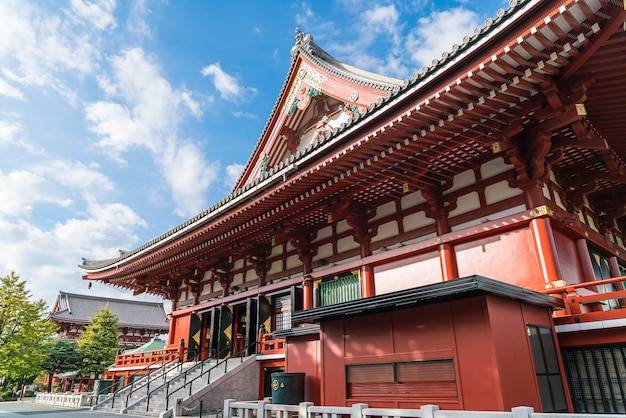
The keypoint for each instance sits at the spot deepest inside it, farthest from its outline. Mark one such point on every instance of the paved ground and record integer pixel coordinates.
(28, 408)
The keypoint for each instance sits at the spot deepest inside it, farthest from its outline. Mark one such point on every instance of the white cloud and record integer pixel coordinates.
(227, 85)
(8, 131)
(75, 175)
(233, 172)
(188, 175)
(136, 20)
(105, 227)
(10, 91)
(144, 112)
(438, 32)
(240, 114)
(48, 259)
(98, 14)
(20, 189)
(38, 48)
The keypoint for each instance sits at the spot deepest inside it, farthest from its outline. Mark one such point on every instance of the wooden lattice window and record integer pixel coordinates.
(339, 289)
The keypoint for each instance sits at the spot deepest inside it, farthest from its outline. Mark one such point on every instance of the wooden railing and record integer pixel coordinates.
(599, 300)
(269, 345)
(146, 358)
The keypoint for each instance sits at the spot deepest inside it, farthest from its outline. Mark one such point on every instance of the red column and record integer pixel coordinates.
(447, 255)
(367, 281)
(543, 241)
(585, 260)
(447, 259)
(615, 272)
(614, 267)
(534, 197)
(307, 293)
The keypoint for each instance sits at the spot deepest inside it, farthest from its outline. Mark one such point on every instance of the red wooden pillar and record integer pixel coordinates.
(368, 287)
(447, 255)
(543, 241)
(614, 267)
(615, 272)
(585, 260)
(447, 259)
(534, 197)
(307, 292)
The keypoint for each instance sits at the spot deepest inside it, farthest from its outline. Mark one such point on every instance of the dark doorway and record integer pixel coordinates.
(267, 379)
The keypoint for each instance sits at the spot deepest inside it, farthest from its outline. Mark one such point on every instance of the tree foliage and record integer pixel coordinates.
(98, 344)
(61, 356)
(25, 333)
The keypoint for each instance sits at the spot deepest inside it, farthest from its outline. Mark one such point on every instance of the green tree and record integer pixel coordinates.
(25, 333)
(98, 344)
(61, 357)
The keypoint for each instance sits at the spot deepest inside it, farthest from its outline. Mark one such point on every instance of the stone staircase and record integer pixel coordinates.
(153, 396)
(140, 387)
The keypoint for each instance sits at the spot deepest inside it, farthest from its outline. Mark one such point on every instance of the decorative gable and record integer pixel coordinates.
(321, 95)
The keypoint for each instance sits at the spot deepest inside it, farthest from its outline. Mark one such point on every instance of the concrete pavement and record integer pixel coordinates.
(25, 408)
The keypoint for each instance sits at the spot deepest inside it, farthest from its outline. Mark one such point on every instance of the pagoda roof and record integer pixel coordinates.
(450, 116)
(79, 309)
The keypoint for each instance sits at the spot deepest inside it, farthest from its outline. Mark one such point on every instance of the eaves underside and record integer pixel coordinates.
(495, 92)
(97, 266)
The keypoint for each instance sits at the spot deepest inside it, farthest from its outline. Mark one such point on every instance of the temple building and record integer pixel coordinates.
(456, 238)
(137, 321)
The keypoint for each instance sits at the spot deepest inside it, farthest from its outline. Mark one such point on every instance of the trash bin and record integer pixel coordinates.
(287, 388)
(102, 386)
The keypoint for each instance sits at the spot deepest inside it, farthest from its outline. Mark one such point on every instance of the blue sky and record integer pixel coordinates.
(119, 120)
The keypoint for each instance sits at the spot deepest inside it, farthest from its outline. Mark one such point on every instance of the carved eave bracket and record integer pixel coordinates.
(533, 150)
(438, 207)
(358, 217)
(609, 210)
(220, 268)
(302, 240)
(258, 257)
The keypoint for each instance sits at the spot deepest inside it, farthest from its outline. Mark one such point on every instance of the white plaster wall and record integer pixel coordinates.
(558, 201)
(494, 167)
(276, 250)
(293, 261)
(407, 276)
(237, 279)
(411, 200)
(385, 210)
(276, 267)
(416, 220)
(466, 203)
(500, 191)
(342, 226)
(466, 178)
(324, 251)
(346, 244)
(388, 230)
(324, 233)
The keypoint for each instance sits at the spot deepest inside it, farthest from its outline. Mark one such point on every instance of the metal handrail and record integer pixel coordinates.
(142, 373)
(178, 359)
(202, 373)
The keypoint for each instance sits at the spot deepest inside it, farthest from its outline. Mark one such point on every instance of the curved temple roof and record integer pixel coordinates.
(79, 309)
(511, 75)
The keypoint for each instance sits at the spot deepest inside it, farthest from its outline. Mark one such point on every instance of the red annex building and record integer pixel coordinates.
(456, 238)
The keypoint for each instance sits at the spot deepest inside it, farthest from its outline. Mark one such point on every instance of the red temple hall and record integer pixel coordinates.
(455, 239)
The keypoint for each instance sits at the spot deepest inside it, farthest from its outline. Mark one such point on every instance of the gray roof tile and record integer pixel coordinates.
(71, 307)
